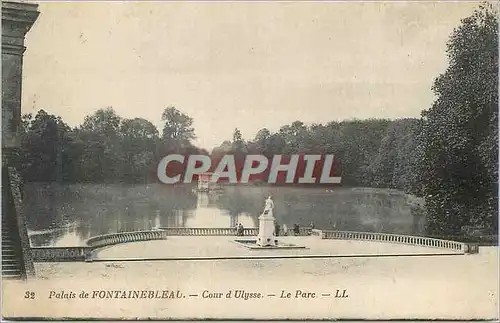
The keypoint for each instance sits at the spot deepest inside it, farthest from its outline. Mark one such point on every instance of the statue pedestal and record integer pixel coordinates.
(266, 236)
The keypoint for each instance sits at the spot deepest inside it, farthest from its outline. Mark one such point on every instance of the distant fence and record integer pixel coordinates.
(400, 239)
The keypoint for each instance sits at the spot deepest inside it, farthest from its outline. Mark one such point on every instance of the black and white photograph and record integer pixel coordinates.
(250, 160)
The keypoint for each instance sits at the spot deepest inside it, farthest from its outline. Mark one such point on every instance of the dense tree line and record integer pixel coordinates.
(449, 156)
(105, 148)
(371, 152)
(459, 154)
(363, 149)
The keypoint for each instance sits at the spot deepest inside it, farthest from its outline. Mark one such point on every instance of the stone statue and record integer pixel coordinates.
(266, 236)
(269, 205)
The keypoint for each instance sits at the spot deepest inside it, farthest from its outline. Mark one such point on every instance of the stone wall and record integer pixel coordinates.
(49, 254)
(17, 19)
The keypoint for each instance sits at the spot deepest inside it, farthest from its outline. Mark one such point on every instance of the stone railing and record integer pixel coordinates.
(122, 237)
(400, 239)
(303, 231)
(223, 231)
(48, 254)
(316, 232)
(206, 231)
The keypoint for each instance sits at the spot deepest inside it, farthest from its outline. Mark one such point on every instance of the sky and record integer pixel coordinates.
(245, 65)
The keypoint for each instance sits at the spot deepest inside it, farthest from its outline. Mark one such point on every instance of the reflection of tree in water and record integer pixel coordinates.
(44, 206)
(417, 214)
(236, 203)
(46, 239)
(102, 209)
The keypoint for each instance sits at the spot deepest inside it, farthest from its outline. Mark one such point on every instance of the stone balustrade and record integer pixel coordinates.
(207, 231)
(49, 254)
(398, 238)
(46, 254)
(223, 231)
(122, 237)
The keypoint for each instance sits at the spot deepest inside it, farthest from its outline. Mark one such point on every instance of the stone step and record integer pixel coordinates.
(10, 271)
(10, 262)
(11, 276)
(12, 266)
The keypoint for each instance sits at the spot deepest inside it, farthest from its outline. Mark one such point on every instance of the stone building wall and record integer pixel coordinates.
(17, 19)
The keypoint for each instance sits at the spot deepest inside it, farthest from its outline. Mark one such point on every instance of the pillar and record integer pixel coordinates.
(17, 19)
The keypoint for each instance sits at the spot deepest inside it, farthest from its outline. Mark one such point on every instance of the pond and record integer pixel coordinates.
(67, 215)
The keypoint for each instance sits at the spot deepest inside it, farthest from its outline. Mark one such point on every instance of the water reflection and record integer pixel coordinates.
(65, 215)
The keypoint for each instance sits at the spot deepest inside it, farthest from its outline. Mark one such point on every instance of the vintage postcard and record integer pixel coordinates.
(268, 160)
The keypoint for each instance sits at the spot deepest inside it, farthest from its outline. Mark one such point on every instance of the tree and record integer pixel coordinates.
(260, 143)
(47, 149)
(393, 165)
(238, 145)
(237, 137)
(224, 148)
(177, 133)
(139, 128)
(262, 135)
(139, 138)
(99, 141)
(103, 121)
(358, 145)
(295, 136)
(460, 152)
(178, 126)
